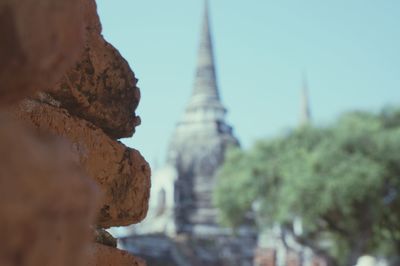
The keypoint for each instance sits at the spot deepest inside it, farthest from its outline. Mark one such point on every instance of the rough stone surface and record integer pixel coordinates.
(46, 203)
(101, 236)
(122, 173)
(101, 87)
(101, 255)
(48, 198)
(39, 41)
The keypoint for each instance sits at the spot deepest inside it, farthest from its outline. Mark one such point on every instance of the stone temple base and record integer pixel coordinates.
(184, 250)
(100, 255)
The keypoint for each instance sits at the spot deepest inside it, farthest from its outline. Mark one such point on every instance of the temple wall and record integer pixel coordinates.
(66, 98)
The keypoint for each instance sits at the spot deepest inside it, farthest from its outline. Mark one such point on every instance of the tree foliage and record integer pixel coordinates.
(343, 181)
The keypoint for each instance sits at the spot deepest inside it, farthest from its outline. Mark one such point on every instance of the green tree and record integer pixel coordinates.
(343, 181)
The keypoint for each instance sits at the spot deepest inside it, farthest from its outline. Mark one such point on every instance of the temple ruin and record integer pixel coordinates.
(66, 98)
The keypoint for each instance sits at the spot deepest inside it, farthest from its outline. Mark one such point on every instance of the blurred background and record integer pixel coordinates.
(347, 50)
(312, 93)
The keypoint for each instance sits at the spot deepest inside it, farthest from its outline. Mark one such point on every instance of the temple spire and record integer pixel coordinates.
(205, 91)
(305, 112)
(198, 145)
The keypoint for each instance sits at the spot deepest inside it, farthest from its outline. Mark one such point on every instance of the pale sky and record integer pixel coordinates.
(350, 50)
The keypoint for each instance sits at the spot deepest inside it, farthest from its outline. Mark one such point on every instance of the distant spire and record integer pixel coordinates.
(305, 112)
(205, 91)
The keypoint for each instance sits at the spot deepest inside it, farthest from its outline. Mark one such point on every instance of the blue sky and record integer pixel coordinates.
(350, 50)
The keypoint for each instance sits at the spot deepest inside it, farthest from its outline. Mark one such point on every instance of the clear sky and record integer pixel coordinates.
(350, 50)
